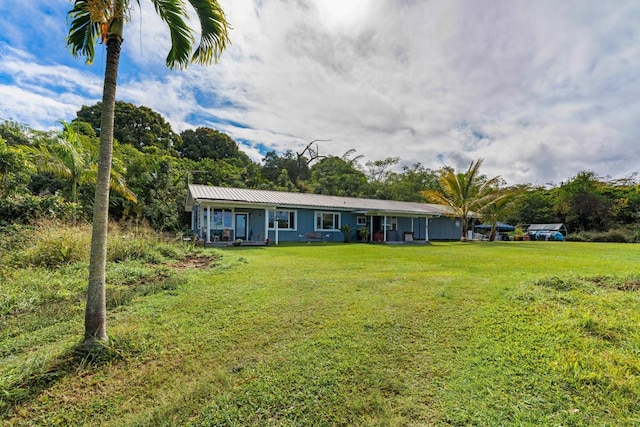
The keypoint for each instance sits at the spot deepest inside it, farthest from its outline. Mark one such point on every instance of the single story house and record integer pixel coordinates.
(231, 214)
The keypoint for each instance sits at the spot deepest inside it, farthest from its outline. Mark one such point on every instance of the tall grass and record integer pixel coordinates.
(43, 274)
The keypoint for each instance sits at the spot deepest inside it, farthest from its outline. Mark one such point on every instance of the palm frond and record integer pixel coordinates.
(214, 28)
(47, 162)
(173, 12)
(83, 31)
(117, 183)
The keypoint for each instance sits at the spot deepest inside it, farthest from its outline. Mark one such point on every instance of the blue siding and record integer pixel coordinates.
(442, 228)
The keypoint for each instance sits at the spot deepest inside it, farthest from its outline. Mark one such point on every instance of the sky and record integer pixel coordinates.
(540, 90)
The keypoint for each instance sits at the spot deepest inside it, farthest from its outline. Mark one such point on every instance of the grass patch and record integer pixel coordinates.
(503, 333)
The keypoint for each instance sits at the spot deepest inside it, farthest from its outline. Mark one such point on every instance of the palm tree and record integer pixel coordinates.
(465, 193)
(75, 158)
(91, 20)
(499, 207)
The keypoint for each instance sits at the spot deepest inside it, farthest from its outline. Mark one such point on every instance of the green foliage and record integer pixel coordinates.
(363, 233)
(338, 176)
(287, 171)
(15, 170)
(137, 126)
(207, 143)
(406, 186)
(465, 192)
(617, 235)
(25, 209)
(54, 247)
(429, 335)
(14, 133)
(582, 205)
(535, 205)
(347, 230)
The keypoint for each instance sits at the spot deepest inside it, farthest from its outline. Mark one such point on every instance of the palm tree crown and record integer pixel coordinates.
(93, 20)
(465, 193)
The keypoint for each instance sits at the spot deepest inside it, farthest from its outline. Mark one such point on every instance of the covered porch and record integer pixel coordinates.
(397, 227)
(219, 224)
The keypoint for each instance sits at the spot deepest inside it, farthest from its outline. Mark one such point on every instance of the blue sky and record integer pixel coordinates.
(541, 90)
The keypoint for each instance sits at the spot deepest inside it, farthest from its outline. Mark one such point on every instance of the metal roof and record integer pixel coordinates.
(271, 199)
(545, 227)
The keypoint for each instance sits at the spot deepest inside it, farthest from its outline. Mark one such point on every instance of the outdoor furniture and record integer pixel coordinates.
(226, 235)
(313, 236)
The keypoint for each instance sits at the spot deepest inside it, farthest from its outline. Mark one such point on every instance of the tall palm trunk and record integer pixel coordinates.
(96, 311)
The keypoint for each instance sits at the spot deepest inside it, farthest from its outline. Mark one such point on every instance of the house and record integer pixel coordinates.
(229, 214)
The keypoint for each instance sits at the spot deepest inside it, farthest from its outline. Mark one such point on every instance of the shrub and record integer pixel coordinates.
(617, 235)
(54, 245)
(25, 209)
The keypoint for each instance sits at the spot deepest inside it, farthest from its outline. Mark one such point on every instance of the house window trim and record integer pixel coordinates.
(391, 223)
(361, 221)
(223, 212)
(334, 214)
(295, 219)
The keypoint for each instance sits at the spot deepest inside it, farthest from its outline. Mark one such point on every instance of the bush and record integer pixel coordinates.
(617, 235)
(26, 209)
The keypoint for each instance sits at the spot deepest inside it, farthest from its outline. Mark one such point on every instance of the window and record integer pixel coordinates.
(327, 221)
(221, 219)
(286, 219)
(362, 221)
(392, 223)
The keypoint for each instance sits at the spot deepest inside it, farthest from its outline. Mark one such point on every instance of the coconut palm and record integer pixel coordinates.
(466, 193)
(94, 20)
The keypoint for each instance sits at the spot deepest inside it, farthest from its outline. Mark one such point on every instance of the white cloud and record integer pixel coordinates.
(541, 90)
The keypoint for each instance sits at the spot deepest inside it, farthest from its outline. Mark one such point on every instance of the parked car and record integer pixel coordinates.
(548, 235)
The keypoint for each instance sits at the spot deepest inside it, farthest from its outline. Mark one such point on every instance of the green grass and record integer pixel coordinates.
(503, 333)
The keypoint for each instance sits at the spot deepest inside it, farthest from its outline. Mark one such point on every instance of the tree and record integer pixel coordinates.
(15, 170)
(294, 165)
(73, 157)
(338, 176)
(90, 19)
(582, 204)
(379, 171)
(15, 133)
(406, 186)
(499, 207)
(465, 193)
(139, 126)
(207, 143)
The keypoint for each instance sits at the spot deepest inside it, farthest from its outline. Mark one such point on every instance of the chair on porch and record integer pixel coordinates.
(226, 235)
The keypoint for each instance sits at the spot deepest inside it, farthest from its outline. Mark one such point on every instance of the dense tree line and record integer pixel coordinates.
(53, 173)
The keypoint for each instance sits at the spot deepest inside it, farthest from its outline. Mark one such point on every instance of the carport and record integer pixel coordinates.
(555, 231)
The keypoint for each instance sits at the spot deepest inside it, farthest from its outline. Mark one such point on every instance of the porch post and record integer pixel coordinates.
(208, 224)
(371, 228)
(384, 239)
(200, 221)
(426, 229)
(266, 225)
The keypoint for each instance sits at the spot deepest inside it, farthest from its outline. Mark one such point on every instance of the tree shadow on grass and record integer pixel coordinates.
(37, 376)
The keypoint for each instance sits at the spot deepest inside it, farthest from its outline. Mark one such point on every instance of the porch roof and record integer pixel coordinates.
(266, 199)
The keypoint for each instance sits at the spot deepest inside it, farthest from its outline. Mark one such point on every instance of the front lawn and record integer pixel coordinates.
(502, 333)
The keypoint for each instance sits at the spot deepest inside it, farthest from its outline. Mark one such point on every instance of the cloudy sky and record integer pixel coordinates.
(540, 89)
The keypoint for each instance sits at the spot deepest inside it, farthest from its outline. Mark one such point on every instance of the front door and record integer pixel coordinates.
(241, 226)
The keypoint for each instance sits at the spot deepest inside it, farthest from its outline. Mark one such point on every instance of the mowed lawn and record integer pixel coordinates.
(503, 333)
